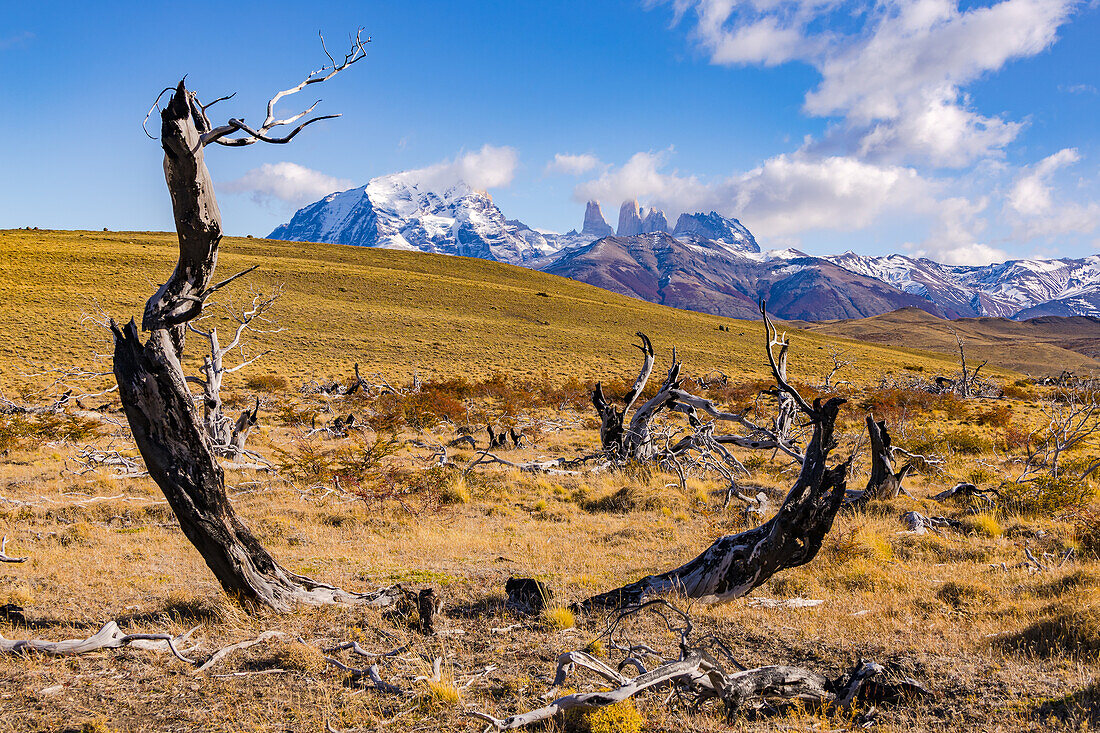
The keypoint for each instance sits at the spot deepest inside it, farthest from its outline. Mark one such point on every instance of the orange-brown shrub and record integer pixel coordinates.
(267, 382)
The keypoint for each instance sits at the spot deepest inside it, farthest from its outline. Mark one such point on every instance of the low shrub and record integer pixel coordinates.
(267, 383)
(19, 430)
(1046, 496)
(966, 441)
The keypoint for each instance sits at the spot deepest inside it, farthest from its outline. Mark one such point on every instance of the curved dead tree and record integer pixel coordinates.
(633, 441)
(736, 564)
(177, 449)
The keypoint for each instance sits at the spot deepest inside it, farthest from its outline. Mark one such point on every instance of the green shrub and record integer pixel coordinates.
(967, 441)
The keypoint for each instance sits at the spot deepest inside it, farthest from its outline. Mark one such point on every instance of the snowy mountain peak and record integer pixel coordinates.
(398, 212)
(716, 227)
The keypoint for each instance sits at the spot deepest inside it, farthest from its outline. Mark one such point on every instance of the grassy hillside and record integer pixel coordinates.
(962, 610)
(1038, 346)
(393, 312)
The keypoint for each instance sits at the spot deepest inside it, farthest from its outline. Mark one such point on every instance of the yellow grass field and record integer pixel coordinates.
(395, 313)
(1001, 646)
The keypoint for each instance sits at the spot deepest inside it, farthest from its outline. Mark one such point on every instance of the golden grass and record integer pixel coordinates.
(1001, 648)
(396, 313)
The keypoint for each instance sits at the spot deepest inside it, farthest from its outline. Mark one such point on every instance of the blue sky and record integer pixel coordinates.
(966, 132)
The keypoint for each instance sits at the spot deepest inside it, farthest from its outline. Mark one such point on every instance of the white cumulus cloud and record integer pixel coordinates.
(786, 195)
(572, 164)
(489, 167)
(895, 71)
(955, 238)
(287, 182)
(1034, 210)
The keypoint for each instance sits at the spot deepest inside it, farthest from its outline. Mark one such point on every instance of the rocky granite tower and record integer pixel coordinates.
(630, 219)
(654, 221)
(594, 223)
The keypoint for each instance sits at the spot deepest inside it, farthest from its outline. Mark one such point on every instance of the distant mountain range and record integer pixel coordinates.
(706, 262)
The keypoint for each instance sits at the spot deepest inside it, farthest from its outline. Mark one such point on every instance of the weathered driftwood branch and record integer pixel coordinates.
(734, 565)
(210, 134)
(226, 651)
(108, 637)
(4, 556)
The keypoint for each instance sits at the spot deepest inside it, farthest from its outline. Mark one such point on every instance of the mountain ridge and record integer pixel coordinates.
(397, 212)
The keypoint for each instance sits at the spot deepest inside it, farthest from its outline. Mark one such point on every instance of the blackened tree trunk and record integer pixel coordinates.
(884, 482)
(734, 565)
(178, 451)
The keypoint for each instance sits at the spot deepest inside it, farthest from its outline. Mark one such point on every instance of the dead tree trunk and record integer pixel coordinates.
(884, 482)
(625, 442)
(228, 436)
(633, 442)
(177, 449)
(736, 564)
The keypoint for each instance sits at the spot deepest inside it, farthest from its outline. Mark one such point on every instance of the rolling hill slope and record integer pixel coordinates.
(1044, 345)
(394, 312)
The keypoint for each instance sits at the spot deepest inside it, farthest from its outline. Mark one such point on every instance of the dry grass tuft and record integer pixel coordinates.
(963, 594)
(558, 618)
(985, 525)
(1070, 630)
(293, 656)
(622, 717)
(443, 693)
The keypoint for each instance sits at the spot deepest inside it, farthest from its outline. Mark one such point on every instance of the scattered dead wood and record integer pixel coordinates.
(554, 466)
(965, 490)
(735, 564)
(698, 677)
(90, 458)
(463, 440)
(226, 651)
(917, 523)
(4, 556)
(497, 440)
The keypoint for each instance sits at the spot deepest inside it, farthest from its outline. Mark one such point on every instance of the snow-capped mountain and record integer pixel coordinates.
(717, 228)
(1013, 289)
(700, 274)
(395, 212)
(398, 212)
